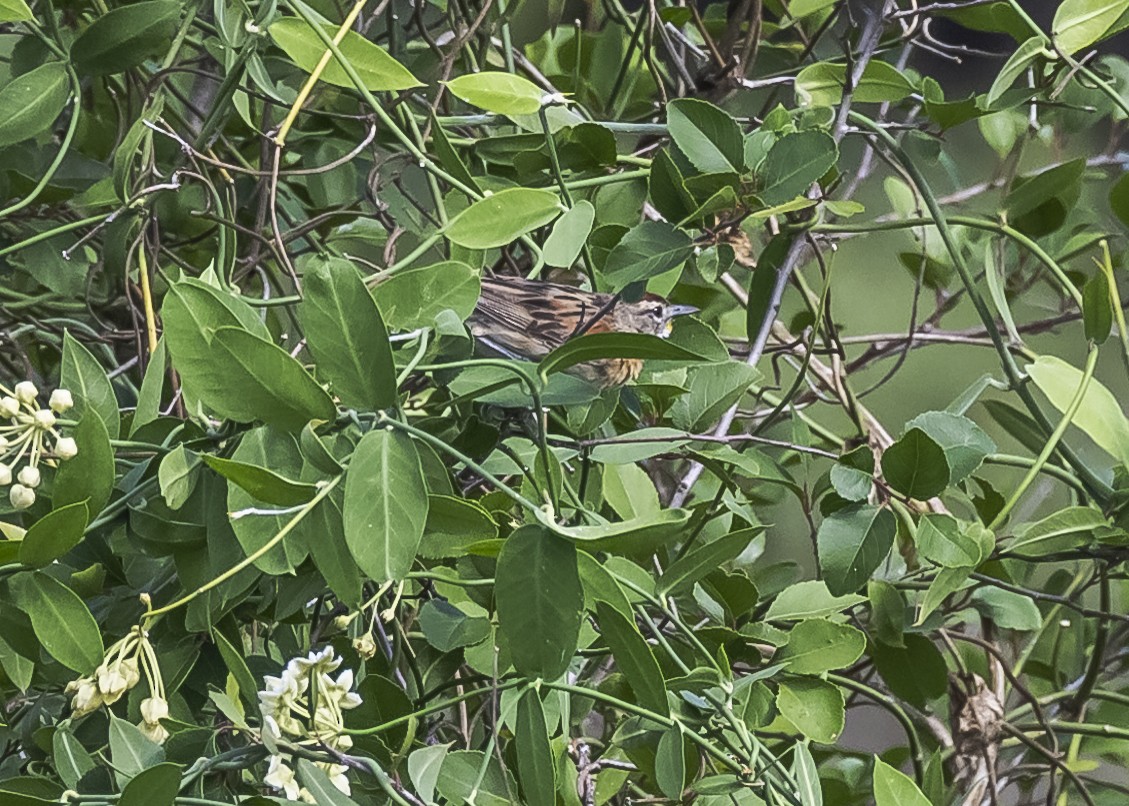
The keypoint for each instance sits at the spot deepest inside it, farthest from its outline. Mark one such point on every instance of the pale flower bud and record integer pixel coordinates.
(9, 406)
(61, 400)
(154, 709)
(66, 448)
(5, 475)
(365, 646)
(45, 419)
(21, 497)
(26, 392)
(154, 732)
(29, 476)
(86, 697)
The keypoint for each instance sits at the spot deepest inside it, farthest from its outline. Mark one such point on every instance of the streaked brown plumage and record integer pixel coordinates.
(528, 319)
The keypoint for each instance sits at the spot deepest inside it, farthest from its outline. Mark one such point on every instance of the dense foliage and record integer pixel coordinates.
(273, 529)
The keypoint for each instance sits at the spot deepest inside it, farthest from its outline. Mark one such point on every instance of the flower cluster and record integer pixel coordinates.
(121, 670)
(307, 704)
(29, 433)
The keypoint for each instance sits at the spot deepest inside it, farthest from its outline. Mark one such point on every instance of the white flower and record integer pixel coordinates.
(29, 476)
(117, 677)
(280, 776)
(9, 406)
(336, 773)
(154, 732)
(84, 696)
(323, 661)
(26, 392)
(154, 709)
(5, 475)
(61, 400)
(45, 419)
(21, 497)
(66, 448)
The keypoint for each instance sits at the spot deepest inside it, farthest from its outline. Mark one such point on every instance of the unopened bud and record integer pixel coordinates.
(9, 406)
(5, 475)
(29, 476)
(154, 709)
(45, 419)
(66, 448)
(21, 497)
(61, 400)
(26, 392)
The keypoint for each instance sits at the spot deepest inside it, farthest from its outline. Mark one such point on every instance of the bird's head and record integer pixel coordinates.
(652, 315)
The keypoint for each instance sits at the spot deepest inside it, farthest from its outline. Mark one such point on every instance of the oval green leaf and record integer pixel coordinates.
(1099, 415)
(501, 93)
(379, 72)
(413, 298)
(125, 37)
(385, 504)
(346, 335)
(32, 101)
(853, 542)
(53, 535)
(503, 217)
(540, 600)
(61, 620)
(916, 465)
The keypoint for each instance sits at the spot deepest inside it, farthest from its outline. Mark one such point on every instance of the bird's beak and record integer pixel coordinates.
(681, 310)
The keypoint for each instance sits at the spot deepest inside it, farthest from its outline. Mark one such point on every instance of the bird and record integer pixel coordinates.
(527, 319)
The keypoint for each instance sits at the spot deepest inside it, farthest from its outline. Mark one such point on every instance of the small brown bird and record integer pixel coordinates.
(527, 319)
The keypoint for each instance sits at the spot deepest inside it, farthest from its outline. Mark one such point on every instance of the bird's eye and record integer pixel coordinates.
(657, 311)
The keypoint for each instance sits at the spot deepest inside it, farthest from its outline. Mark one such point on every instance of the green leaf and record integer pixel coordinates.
(130, 752)
(267, 383)
(315, 780)
(454, 524)
(237, 666)
(853, 542)
(635, 536)
(125, 37)
(916, 466)
(501, 93)
(1066, 529)
(539, 600)
(816, 646)
(647, 250)
(89, 476)
(1119, 199)
(84, 377)
(15, 11)
(916, 672)
(947, 582)
(1016, 65)
(535, 764)
(1080, 23)
(69, 756)
(965, 444)
(1099, 415)
(385, 504)
(62, 622)
(155, 786)
(794, 163)
(152, 388)
(503, 217)
(463, 768)
(178, 475)
(424, 764)
(894, 788)
(53, 535)
(806, 774)
(853, 475)
(447, 628)
(634, 658)
(702, 560)
(594, 346)
(1007, 610)
(346, 335)
(1097, 308)
(810, 599)
(378, 71)
(714, 388)
(32, 102)
(413, 298)
(815, 707)
(822, 84)
(887, 612)
(670, 763)
(569, 235)
(942, 541)
(708, 136)
(262, 484)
